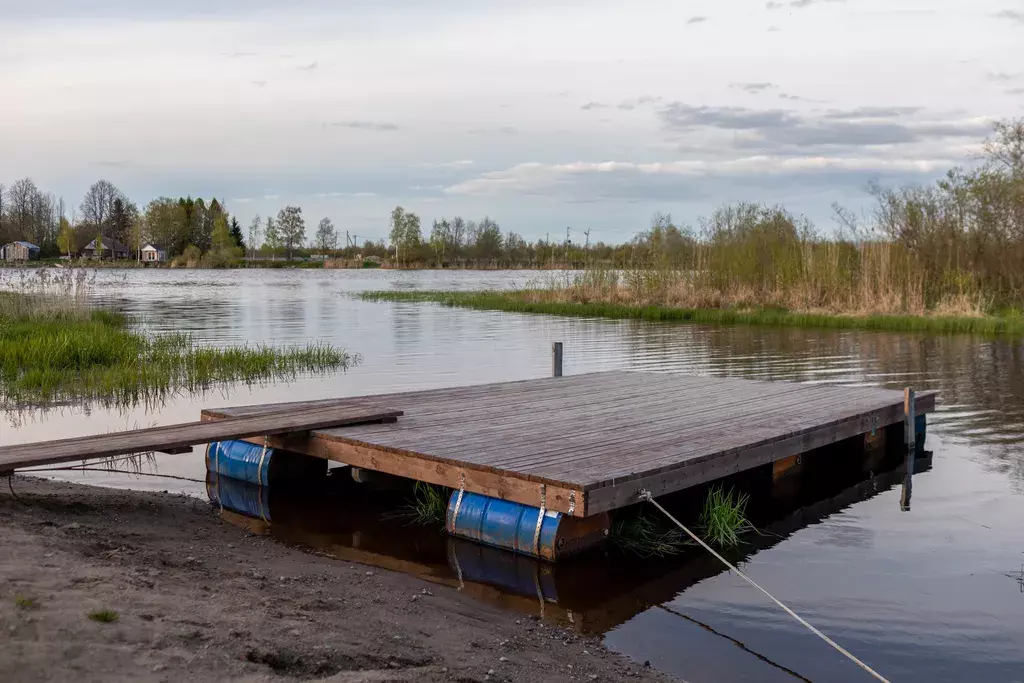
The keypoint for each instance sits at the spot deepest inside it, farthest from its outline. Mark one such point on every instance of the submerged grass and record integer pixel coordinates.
(428, 505)
(722, 521)
(549, 302)
(60, 350)
(644, 536)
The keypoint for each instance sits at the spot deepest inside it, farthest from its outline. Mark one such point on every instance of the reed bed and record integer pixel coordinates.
(55, 348)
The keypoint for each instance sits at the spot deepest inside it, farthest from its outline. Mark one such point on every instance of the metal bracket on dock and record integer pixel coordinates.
(263, 456)
(540, 518)
(458, 501)
(572, 502)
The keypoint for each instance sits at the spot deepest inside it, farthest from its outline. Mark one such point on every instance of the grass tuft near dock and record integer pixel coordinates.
(546, 301)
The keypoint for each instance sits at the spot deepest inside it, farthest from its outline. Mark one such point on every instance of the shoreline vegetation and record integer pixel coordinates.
(56, 349)
(548, 302)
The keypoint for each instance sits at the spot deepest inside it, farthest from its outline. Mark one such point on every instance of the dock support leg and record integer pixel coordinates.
(909, 422)
(556, 359)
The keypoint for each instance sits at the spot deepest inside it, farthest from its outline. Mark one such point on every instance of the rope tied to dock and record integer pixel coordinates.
(645, 495)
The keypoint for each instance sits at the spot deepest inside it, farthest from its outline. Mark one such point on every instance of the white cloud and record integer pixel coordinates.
(444, 165)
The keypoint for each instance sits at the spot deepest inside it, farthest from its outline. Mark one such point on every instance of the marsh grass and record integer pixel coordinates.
(558, 302)
(428, 505)
(55, 348)
(724, 517)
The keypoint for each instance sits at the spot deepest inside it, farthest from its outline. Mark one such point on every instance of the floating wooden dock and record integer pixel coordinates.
(587, 444)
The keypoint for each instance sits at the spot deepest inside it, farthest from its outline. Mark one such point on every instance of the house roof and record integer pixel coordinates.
(27, 245)
(154, 247)
(108, 243)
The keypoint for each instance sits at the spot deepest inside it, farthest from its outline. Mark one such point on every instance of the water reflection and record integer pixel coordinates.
(594, 592)
(924, 595)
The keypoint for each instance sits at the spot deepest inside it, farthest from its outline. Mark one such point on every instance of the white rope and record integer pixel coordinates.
(646, 495)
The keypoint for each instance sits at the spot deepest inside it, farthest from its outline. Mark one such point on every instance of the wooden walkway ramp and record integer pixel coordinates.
(171, 437)
(585, 444)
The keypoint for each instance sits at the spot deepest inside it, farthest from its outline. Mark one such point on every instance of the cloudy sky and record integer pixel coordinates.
(543, 114)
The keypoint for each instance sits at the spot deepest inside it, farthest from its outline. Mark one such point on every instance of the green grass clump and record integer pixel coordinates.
(527, 301)
(25, 602)
(646, 537)
(51, 354)
(428, 505)
(104, 616)
(724, 517)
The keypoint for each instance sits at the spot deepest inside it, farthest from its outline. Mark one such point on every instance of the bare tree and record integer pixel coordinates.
(98, 204)
(255, 234)
(326, 237)
(23, 197)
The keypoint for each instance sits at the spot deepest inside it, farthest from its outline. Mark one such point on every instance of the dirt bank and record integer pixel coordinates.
(200, 600)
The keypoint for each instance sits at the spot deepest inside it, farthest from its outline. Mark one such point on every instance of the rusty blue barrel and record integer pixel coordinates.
(503, 524)
(238, 496)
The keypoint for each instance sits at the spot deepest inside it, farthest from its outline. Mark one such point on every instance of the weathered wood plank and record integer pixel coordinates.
(188, 434)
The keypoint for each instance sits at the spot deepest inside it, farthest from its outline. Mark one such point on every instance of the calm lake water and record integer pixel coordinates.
(935, 593)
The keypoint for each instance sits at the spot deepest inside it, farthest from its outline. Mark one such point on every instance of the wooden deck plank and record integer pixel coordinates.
(188, 434)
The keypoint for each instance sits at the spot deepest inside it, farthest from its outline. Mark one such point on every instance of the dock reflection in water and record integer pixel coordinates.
(591, 593)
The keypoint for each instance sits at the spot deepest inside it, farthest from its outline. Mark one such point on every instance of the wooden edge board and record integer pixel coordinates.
(171, 437)
(506, 486)
(625, 492)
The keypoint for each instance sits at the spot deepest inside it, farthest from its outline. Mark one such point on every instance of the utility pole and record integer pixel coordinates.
(586, 247)
(567, 243)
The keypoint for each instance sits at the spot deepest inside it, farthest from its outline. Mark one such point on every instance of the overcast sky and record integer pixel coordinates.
(542, 114)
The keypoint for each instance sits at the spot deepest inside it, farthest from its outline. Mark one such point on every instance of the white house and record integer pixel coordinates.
(153, 254)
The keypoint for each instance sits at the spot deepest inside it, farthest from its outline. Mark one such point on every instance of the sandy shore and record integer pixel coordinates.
(201, 600)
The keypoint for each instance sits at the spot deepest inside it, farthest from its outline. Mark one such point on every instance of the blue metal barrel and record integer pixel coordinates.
(261, 466)
(240, 460)
(238, 496)
(503, 524)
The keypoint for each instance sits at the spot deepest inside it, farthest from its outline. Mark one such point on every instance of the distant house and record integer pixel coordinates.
(153, 254)
(19, 251)
(111, 249)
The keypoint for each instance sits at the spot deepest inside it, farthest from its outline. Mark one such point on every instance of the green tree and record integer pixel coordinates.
(272, 237)
(221, 240)
(440, 239)
(98, 252)
(488, 241)
(291, 227)
(65, 237)
(405, 234)
(236, 234)
(166, 224)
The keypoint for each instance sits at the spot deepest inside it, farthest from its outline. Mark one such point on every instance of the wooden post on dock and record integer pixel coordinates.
(556, 359)
(910, 438)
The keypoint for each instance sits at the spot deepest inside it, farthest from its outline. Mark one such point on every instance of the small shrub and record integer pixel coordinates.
(24, 602)
(104, 616)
